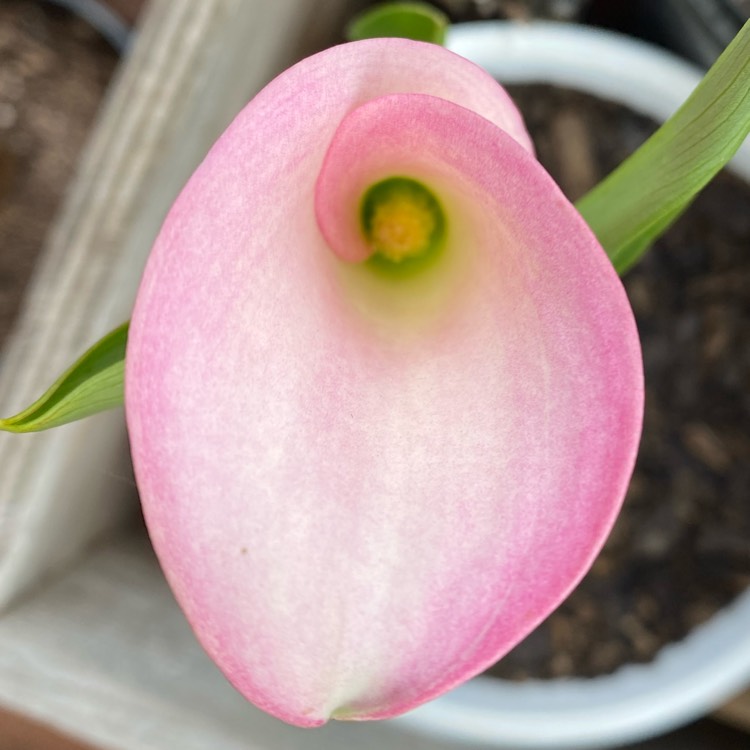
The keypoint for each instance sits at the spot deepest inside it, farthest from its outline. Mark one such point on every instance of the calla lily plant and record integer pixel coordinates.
(383, 385)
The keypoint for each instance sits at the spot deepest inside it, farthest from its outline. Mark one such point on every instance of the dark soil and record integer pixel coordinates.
(53, 71)
(681, 547)
(513, 10)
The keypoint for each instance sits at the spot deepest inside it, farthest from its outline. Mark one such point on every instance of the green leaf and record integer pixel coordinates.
(649, 190)
(94, 383)
(418, 21)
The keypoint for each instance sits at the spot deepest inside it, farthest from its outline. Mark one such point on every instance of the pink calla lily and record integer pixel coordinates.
(367, 478)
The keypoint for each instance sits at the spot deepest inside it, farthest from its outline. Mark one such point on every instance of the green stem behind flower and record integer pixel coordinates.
(409, 20)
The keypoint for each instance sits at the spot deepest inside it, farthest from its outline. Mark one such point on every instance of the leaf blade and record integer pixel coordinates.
(642, 197)
(94, 383)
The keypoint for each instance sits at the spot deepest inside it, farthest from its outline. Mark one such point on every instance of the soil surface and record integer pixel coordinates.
(53, 71)
(680, 550)
(513, 10)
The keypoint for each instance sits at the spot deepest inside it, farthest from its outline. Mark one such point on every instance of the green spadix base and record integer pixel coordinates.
(404, 225)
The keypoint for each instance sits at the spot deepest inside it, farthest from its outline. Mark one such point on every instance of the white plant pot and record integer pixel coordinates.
(689, 678)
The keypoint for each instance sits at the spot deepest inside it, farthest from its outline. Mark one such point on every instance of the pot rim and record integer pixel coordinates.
(687, 678)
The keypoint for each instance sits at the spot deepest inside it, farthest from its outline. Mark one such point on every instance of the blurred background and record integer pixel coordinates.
(681, 550)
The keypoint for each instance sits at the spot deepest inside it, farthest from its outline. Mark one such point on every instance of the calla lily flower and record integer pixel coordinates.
(383, 387)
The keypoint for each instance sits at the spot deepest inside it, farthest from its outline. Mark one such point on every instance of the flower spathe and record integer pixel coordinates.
(375, 451)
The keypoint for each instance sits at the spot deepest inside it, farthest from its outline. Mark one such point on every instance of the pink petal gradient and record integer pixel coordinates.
(365, 490)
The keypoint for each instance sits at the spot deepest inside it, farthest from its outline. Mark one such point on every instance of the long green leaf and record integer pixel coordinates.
(650, 189)
(94, 383)
(418, 21)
